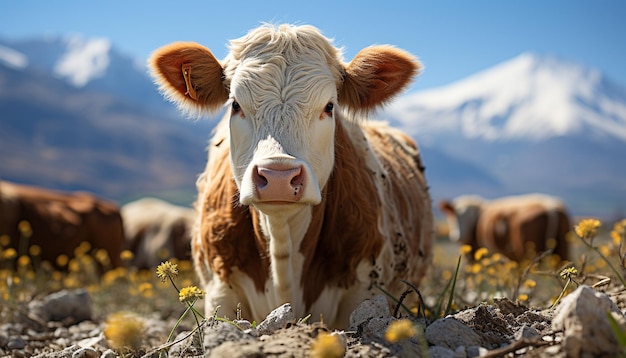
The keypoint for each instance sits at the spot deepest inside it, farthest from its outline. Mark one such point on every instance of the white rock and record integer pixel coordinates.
(73, 305)
(276, 320)
(582, 316)
(377, 307)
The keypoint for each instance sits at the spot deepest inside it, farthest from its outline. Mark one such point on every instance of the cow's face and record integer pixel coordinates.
(462, 217)
(283, 86)
(282, 120)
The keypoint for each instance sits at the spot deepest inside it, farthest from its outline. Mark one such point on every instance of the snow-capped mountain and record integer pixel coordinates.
(530, 97)
(77, 113)
(89, 64)
(531, 124)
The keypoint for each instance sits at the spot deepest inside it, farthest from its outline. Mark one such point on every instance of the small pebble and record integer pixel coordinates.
(85, 353)
(16, 343)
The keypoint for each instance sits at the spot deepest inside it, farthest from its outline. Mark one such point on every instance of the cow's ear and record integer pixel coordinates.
(189, 75)
(375, 75)
(446, 207)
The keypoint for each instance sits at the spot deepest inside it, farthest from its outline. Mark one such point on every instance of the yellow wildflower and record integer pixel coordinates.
(480, 253)
(587, 228)
(190, 294)
(62, 260)
(124, 330)
(23, 260)
(9, 253)
(25, 229)
(167, 270)
(466, 249)
(522, 297)
(327, 345)
(399, 330)
(146, 290)
(568, 272)
(82, 249)
(126, 255)
(530, 283)
(34, 250)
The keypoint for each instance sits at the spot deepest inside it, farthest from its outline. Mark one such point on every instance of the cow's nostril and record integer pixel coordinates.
(259, 179)
(297, 180)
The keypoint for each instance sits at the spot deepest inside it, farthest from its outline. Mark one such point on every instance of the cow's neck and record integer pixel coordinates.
(285, 232)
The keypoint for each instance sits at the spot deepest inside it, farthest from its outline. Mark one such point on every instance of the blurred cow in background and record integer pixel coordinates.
(56, 223)
(509, 225)
(156, 230)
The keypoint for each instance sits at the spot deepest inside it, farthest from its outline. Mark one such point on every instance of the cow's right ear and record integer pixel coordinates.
(446, 207)
(189, 75)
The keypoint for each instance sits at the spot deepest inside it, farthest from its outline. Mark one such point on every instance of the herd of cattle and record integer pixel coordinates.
(155, 230)
(303, 199)
(59, 222)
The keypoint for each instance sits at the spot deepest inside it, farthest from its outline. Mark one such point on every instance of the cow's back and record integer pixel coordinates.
(407, 208)
(520, 226)
(60, 222)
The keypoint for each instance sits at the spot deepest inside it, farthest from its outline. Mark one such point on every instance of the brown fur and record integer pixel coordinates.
(60, 221)
(167, 65)
(523, 225)
(362, 209)
(408, 204)
(509, 225)
(225, 224)
(375, 75)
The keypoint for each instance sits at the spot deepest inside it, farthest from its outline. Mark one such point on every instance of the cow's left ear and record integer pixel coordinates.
(446, 207)
(375, 75)
(189, 75)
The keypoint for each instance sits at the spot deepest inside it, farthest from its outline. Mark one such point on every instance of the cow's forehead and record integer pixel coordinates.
(285, 64)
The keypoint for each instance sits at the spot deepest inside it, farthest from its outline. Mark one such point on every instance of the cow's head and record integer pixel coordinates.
(462, 216)
(284, 86)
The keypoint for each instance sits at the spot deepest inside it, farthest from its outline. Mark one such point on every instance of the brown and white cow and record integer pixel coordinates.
(59, 222)
(302, 200)
(508, 225)
(157, 230)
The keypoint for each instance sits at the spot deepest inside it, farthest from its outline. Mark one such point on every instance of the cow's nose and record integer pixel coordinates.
(279, 184)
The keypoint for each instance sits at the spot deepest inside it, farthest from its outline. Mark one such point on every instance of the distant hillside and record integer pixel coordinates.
(77, 114)
(58, 135)
(532, 124)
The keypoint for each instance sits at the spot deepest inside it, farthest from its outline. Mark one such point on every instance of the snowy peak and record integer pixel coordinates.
(13, 59)
(530, 97)
(84, 60)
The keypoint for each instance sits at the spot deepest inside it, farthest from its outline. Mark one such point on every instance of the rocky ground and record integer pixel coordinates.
(60, 325)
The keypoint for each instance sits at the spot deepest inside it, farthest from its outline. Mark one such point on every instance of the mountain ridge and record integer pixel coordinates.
(116, 136)
(529, 97)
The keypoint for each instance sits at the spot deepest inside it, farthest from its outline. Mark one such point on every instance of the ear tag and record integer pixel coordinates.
(191, 92)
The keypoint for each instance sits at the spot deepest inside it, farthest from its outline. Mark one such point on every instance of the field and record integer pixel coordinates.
(123, 299)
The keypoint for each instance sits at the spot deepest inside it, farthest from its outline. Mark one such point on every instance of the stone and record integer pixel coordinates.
(276, 320)
(451, 333)
(70, 306)
(85, 353)
(582, 316)
(376, 307)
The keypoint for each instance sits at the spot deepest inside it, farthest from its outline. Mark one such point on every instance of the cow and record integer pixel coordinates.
(157, 230)
(509, 225)
(302, 200)
(58, 222)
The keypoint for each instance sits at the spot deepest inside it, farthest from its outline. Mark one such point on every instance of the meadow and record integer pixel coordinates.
(169, 292)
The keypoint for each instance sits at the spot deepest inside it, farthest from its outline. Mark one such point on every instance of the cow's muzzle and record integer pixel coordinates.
(279, 184)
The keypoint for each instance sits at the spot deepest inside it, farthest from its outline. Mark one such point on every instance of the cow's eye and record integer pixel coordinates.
(236, 107)
(329, 109)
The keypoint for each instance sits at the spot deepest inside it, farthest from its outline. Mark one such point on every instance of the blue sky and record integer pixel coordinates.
(454, 39)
